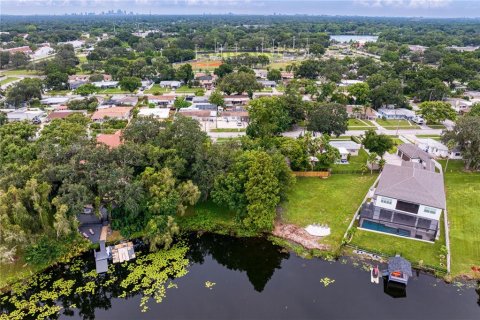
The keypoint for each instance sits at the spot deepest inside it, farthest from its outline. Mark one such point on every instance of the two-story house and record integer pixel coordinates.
(408, 201)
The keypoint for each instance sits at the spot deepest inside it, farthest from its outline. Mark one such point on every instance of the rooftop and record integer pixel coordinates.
(111, 140)
(412, 185)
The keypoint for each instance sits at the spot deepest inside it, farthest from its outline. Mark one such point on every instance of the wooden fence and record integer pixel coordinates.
(319, 174)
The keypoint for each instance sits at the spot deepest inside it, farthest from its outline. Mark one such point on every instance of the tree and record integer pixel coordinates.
(317, 49)
(435, 112)
(474, 110)
(4, 59)
(451, 144)
(130, 83)
(180, 102)
(330, 118)
(216, 98)
(372, 160)
(360, 91)
(378, 143)
(223, 70)
(308, 69)
(252, 189)
(466, 135)
(269, 116)
(18, 59)
(24, 91)
(387, 92)
(238, 82)
(274, 75)
(184, 73)
(86, 89)
(56, 80)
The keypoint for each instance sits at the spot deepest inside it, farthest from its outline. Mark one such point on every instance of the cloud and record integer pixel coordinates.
(404, 3)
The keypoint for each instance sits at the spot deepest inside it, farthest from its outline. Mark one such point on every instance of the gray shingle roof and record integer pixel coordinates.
(400, 264)
(412, 185)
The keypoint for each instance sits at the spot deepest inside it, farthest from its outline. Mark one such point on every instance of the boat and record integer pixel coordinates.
(374, 275)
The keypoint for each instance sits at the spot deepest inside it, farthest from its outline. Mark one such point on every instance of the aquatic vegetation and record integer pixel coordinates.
(327, 281)
(209, 285)
(73, 286)
(150, 273)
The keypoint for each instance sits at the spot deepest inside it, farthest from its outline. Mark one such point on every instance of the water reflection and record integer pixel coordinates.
(258, 257)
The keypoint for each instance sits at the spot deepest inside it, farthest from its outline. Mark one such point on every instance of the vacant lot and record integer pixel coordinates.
(331, 201)
(463, 204)
(357, 124)
(394, 124)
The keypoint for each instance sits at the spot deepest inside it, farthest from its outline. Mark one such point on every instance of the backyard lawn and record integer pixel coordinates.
(393, 124)
(417, 252)
(186, 89)
(331, 201)
(156, 89)
(112, 90)
(357, 124)
(431, 136)
(355, 163)
(463, 204)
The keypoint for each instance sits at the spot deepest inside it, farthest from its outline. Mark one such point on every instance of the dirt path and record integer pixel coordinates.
(298, 235)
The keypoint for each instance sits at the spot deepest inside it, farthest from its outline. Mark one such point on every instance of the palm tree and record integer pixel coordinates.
(450, 145)
(381, 163)
(372, 160)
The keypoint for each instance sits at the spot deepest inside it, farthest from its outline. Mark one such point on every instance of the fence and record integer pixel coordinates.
(319, 174)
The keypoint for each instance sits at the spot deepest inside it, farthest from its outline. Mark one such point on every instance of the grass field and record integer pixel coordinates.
(393, 124)
(357, 124)
(418, 252)
(8, 80)
(331, 201)
(355, 163)
(186, 89)
(112, 90)
(19, 72)
(431, 136)
(157, 89)
(463, 204)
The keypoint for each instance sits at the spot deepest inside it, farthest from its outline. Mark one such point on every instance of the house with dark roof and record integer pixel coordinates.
(408, 201)
(412, 153)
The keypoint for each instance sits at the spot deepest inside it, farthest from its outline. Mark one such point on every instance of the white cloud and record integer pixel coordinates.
(405, 3)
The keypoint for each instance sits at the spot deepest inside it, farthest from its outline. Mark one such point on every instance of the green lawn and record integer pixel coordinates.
(186, 89)
(355, 163)
(112, 90)
(341, 138)
(331, 201)
(393, 124)
(436, 126)
(463, 204)
(8, 80)
(157, 89)
(396, 142)
(357, 124)
(57, 92)
(19, 72)
(418, 252)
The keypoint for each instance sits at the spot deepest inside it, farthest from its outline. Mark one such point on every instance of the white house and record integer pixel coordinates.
(351, 147)
(25, 114)
(171, 84)
(408, 202)
(158, 113)
(437, 149)
(459, 105)
(396, 114)
(343, 155)
(105, 84)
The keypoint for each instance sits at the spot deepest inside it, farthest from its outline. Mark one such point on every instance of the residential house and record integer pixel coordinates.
(163, 101)
(437, 149)
(171, 84)
(236, 100)
(120, 100)
(43, 51)
(235, 116)
(113, 140)
(267, 83)
(200, 99)
(55, 101)
(24, 49)
(75, 81)
(158, 113)
(75, 43)
(408, 201)
(459, 105)
(287, 75)
(203, 106)
(348, 82)
(343, 155)
(363, 112)
(146, 84)
(205, 80)
(417, 48)
(411, 153)
(199, 115)
(62, 114)
(396, 114)
(260, 73)
(28, 114)
(351, 147)
(119, 113)
(105, 84)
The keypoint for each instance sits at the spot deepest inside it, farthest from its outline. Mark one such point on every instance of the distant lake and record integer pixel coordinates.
(345, 38)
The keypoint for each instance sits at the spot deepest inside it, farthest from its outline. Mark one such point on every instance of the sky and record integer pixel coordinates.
(388, 8)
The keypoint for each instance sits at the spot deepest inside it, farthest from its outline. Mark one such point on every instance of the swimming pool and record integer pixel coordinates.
(370, 225)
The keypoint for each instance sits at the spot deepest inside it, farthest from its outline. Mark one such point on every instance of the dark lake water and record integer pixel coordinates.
(255, 279)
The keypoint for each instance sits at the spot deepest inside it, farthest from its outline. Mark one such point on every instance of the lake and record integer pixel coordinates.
(252, 278)
(345, 38)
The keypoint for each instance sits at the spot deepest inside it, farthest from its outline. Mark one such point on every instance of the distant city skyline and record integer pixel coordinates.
(385, 8)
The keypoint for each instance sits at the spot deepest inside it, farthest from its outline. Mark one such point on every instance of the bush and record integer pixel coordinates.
(44, 252)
